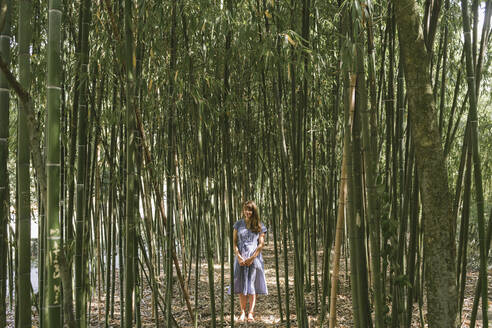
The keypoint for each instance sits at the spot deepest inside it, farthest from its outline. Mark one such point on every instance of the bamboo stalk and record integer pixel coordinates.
(4, 155)
(477, 170)
(23, 188)
(53, 296)
(342, 195)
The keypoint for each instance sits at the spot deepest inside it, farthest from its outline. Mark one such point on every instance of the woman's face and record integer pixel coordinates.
(248, 212)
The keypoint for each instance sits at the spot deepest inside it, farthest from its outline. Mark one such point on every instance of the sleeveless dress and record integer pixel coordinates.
(249, 280)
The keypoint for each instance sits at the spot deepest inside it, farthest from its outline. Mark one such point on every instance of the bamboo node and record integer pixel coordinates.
(58, 11)
(53, 87)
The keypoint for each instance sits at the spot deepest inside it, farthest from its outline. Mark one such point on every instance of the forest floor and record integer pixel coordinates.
(267, 312)
(267, 306)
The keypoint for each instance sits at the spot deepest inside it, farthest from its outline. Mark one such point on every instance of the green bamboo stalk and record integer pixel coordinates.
(453, 109)
(338, 235)
(275, 211)
(476, 299)
(4, 154)
(122, 213)
(38, 163)
(110, 222)
(399, 209)
(444, 72)
(147, 226)
(130, 66)
(412, 250)
(197, 266)
(285, 243)
(170, 187)
(350, 86)
(269, 165)
(53, 296)
(372, 193)
(73, 143)
(295, 178)
(465, 216)
(458, 190)
(81, 216)
(23, 180)
(361, 106)
(228, 150)
(282, 151)
(223, 234)
(210, 259)
(483, 45)
(390, 101)
(477, 170)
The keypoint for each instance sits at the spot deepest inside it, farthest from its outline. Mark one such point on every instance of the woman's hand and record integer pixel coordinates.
(240, 259)
(249, 261)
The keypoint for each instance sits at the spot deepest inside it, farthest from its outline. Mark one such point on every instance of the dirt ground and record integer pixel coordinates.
(267, 312)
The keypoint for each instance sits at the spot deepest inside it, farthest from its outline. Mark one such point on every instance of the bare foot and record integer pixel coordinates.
(251, 318)
(242, 317)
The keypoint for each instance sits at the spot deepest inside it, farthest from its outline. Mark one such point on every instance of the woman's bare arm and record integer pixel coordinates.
(235, 248)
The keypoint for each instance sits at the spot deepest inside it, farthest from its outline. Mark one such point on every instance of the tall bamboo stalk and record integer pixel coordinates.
(53, 296)
(412, 249)
(372, 192)
(444, 72)
(351, 220)
(23, 180)
(4, 154)
(82, 213)
(465, 215)
(131, 206)
(476, 299)
(477, 169)
(359, 212)
(170, 187)
(228, 149)
(342, 197)
(111, 221)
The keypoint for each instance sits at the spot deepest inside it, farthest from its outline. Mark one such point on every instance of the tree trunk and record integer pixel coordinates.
(439, 229)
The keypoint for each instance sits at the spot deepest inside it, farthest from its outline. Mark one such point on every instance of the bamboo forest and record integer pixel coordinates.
(134, 134)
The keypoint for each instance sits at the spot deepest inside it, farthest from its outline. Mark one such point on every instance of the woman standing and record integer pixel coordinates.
(249, 272)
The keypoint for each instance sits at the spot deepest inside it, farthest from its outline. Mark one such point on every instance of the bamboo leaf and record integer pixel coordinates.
(290, 40)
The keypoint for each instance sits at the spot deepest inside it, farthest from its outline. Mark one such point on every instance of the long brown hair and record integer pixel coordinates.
(254, 221)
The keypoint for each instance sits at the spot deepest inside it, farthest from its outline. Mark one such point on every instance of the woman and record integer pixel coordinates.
(249, 273)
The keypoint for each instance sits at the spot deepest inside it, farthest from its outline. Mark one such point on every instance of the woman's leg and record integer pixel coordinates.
(242, 302)
(252, 301)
